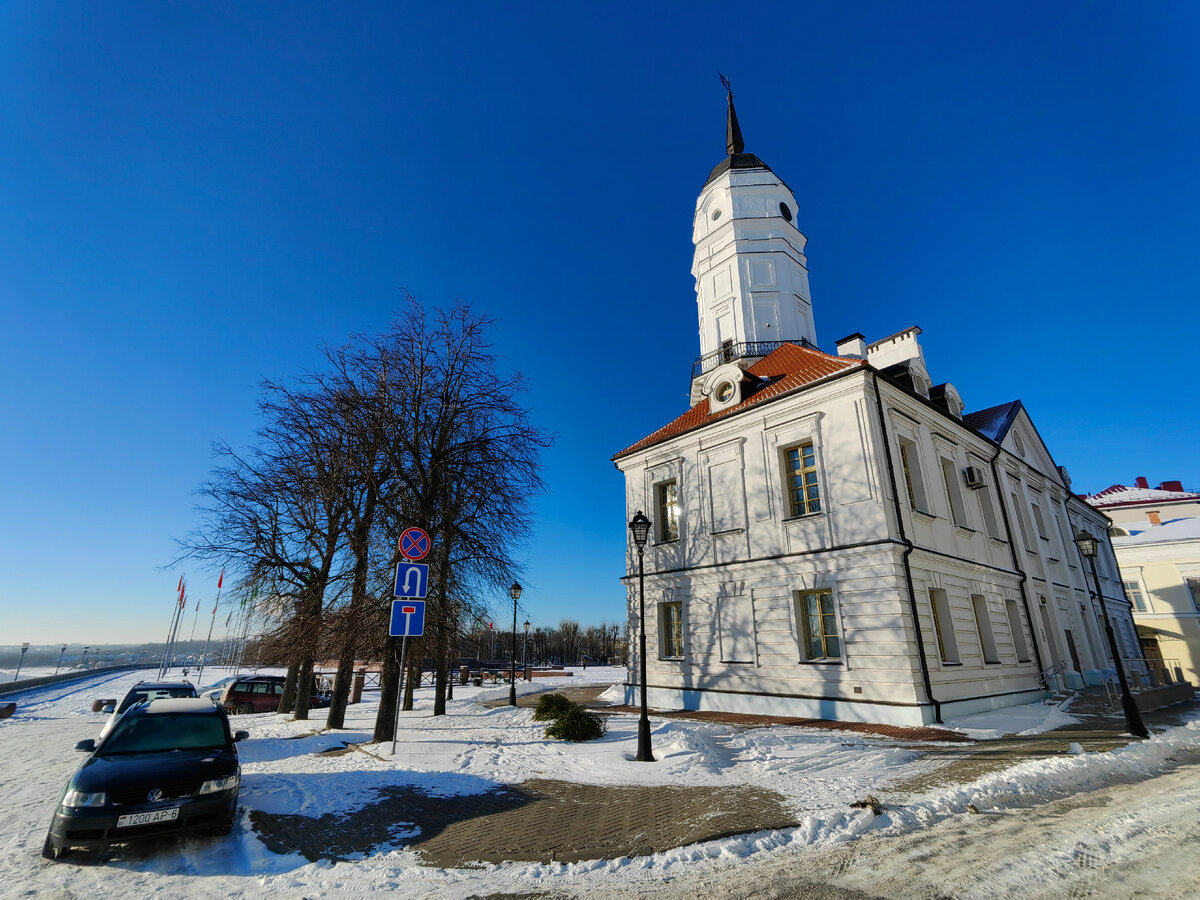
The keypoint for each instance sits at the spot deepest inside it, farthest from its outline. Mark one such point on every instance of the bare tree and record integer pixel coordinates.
(465, 464)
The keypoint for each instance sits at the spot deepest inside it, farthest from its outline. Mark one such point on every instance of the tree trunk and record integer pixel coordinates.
(439, 681)
(341, 685)
(304, 678)
(288, 700)
(413, 675)
(360, 542)
(385, 718)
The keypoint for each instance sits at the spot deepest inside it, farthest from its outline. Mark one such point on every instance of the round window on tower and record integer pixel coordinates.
(716, 214)
(724, 392)
(785, 212)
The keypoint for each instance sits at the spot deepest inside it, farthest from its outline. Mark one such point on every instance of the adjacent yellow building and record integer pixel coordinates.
(1160, 567)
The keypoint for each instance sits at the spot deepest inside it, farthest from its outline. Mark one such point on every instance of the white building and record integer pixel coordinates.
(1142, 504)
(832, 536)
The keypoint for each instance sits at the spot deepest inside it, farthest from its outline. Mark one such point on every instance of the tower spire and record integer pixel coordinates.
(733, 132)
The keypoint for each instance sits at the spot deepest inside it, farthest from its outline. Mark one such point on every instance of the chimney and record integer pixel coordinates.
(854, 345)
(1142, 482)
(1154, 518)
(1176, 486)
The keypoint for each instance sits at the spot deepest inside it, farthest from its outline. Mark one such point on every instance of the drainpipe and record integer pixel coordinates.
(1012, 549)
(908, 549)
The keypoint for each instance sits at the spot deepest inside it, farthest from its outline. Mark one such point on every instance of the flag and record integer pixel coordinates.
(183, 599)
(179, 587)
(228, 617)
(219, 580)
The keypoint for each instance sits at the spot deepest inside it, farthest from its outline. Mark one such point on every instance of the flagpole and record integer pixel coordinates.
(175, 630)
(211, 623)
(171, 629)
(195, 616)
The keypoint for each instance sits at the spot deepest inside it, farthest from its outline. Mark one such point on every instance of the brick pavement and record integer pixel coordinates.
(535, 821)
(550, 821)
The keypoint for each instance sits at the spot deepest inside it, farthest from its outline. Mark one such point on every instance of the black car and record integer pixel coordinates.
(168, 767)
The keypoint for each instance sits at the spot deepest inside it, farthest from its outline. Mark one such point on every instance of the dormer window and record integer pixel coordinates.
(724, 392)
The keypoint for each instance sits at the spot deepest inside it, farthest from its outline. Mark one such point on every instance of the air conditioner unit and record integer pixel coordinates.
(973, 477)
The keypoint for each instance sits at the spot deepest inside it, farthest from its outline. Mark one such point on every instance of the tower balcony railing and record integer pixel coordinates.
(731, 351)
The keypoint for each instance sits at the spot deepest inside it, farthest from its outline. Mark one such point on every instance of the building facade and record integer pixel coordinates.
(833, 537)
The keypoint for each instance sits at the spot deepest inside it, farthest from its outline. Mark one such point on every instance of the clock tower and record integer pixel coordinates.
(751, 278)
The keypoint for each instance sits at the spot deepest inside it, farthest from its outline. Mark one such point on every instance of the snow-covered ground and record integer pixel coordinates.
(475, 748)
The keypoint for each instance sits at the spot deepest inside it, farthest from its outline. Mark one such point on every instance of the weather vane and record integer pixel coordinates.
(725, 81)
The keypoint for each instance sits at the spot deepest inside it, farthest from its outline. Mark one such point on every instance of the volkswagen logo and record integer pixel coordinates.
(155, 795)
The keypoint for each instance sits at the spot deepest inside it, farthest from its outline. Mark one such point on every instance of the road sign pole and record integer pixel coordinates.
(400, 687)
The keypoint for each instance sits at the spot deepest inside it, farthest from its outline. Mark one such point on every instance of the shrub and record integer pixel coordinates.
(551, 707)
(577, 724)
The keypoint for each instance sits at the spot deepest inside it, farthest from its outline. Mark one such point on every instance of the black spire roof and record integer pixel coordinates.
(735, 147)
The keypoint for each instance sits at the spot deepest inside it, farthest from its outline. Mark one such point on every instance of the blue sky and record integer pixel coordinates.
(194, 196)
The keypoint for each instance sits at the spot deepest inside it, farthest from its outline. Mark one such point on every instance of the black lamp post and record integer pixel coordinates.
(1088, 547)
(60, 656)
(640, 526)
(515, 593)
(83, 662)
(526, 653)
(24, 647)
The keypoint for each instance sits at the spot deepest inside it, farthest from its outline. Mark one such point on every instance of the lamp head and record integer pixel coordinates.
(640, 526)
(1087, 544)
(515, 591)
(527, 626)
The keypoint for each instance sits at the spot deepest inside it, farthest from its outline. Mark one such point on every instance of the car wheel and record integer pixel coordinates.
(225, 826)
(244, 709)
(50, 850)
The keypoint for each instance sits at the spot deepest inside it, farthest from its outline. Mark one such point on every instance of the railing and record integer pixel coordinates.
(730, 351)
(1147, 673)
(1050, 680)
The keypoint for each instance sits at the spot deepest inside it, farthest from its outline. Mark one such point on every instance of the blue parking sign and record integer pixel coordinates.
(412, 580)
(408, 618)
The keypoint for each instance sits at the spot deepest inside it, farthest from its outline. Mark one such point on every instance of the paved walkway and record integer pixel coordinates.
(547, 821)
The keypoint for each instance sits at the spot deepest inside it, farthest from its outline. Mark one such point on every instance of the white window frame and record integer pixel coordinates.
(1020, 645)
(944, 634)
(665, 535)
(950, 476)
(786, 475)
(1135, 590)
(910, 467)
(662, 630)
(983, 626)
(800, 614)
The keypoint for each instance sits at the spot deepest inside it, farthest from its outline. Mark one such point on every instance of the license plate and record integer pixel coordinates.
(149, 818)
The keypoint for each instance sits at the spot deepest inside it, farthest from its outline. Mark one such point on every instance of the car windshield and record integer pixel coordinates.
(141, 695)
(154, 734)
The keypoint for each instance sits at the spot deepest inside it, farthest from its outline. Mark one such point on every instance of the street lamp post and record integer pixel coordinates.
(1088, 547)
(526, 653)
(515, 593)
(83, 662)
(24, 647)
(640, 526)
(60, 656)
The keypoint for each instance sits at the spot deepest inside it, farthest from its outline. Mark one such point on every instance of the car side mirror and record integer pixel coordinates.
(241, 735)
(86, 746)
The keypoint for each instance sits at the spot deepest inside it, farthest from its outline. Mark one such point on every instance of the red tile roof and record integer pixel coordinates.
(790, 367)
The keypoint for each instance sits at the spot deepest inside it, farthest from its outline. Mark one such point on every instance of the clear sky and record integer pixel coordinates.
(194, 195)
